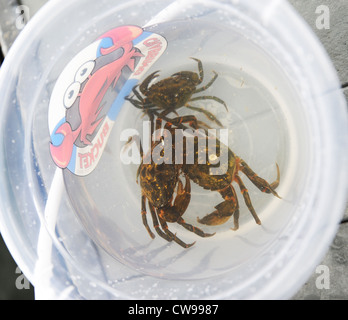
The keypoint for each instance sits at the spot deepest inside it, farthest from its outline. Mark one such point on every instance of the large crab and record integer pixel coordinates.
(158, 181)
(174, 92)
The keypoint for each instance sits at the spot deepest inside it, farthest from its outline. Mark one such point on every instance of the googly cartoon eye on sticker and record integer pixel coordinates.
(84, 71)
(71, 94)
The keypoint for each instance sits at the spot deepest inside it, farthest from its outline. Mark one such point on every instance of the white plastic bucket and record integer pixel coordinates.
(83, 237)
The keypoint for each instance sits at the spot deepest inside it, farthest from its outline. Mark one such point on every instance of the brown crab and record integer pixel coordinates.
(158, 181)
(222, 182)
(173, 93)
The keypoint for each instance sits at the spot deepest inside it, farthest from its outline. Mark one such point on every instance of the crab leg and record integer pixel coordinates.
(143, 214)
(142, 103)
(144, 86)
(208, 114)
(208, 84)
(137, 94)
(183, 198)
(260, 183)
(210, 98)
(139, 104)
(172, 235)
(193, 229)
(137, 140)
(191, 120)
(188, 74)
(246, 197)
(224, 210)
(156, 224)
(200, 69)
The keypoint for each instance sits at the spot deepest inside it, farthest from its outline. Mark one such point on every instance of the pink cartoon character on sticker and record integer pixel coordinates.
(85, 100)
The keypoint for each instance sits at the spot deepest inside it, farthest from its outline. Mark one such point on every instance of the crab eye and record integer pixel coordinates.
(71, 94)
(84, 71)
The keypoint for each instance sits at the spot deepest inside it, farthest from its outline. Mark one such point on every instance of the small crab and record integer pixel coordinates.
(174, 92)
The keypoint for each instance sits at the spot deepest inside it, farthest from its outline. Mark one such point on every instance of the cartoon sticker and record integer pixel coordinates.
(91, 90)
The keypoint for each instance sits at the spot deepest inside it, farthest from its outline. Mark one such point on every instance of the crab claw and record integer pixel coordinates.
(144, 86)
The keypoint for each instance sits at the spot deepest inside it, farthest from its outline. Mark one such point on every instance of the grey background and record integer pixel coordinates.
(334, 39)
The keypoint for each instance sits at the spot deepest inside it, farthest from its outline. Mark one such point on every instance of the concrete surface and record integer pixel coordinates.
(8, 30)
(335, 40)
(335, 262)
